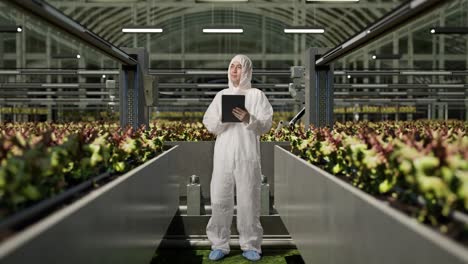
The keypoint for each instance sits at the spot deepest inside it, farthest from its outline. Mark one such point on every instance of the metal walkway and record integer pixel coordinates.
(186, 241)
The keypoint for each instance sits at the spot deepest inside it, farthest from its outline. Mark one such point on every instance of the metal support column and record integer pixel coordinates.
(318, 92)
(441, 111)
(49, 66)
(466, 63)
(409, 116)
(194, 201)
(133, 109)
(466, 111)
(396, 65)
(2, 55)
(20, 63)
(365, 116)
(81, 79)
(265, 196)
(59, 107)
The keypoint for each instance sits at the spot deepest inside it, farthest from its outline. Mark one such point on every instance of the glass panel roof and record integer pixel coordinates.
(41, 45)
(183, 46)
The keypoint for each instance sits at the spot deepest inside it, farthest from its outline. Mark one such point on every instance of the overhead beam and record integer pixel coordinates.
(53, 16)
(191, 4)
(395, 19)
(212, 72)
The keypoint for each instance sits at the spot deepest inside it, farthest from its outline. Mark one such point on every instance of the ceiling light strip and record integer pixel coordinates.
(9, 72)
(212, 85)
(393, 93)
(304, 30)
(223, 30)
(446, 85)
(142, 30)
(332, 1)
(369, 85)
(90, 72)
(201, 72)
(60, 85)
(41, 93)
(221, 1)
(425, 73)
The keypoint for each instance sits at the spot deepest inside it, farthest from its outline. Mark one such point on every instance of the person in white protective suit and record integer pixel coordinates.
(236, 163)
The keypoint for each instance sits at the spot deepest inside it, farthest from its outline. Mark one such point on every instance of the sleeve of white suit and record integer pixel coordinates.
(261, 119)
(212, 117)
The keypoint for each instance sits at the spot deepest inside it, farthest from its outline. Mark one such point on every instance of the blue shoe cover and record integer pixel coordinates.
(216, 254)
(251, 255)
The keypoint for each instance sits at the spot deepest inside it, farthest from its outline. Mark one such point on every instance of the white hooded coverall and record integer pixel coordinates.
(236, 162)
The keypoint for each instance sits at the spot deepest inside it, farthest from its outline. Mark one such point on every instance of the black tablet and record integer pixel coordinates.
(229, 102)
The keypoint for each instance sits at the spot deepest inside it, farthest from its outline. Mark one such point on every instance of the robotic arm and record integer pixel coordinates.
(296, 89)
(297, 117)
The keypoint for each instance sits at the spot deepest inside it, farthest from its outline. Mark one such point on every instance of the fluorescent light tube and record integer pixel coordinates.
(212, 85)
(426, 73)
(332, 1)
(205, 72)
(97, 93)
(112, 1)
(41, 93)
(9, 72)
(446, 85)
(223, 30)
(221, 1)
(425, 99)
(91, 72)
(304, 30)
(392, 93)
(142, 30)
(59, 85)
(369, 85)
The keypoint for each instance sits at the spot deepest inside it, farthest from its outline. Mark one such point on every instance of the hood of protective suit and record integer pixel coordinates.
(246, 74)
